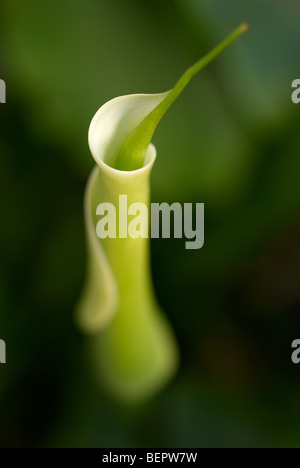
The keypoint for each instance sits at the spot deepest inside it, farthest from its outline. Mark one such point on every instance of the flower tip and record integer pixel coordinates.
(244, 26)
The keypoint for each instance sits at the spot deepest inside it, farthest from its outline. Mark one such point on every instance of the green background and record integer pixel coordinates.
(232, 141)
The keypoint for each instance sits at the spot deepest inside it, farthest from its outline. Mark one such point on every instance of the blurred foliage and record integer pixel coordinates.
(232, 141)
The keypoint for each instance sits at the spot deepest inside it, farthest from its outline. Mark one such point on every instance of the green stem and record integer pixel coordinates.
(132, 153)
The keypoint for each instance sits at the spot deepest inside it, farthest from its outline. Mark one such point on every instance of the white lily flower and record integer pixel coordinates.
(133, 343)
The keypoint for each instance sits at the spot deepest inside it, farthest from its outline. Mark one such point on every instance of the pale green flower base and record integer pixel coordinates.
(134, 350)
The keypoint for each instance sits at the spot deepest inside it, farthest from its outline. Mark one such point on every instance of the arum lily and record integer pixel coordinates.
(133, 345)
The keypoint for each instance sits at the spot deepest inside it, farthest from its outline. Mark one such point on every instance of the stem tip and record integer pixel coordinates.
(244, 26)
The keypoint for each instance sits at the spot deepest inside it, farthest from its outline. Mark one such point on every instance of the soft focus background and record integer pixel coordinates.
(231, 141)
